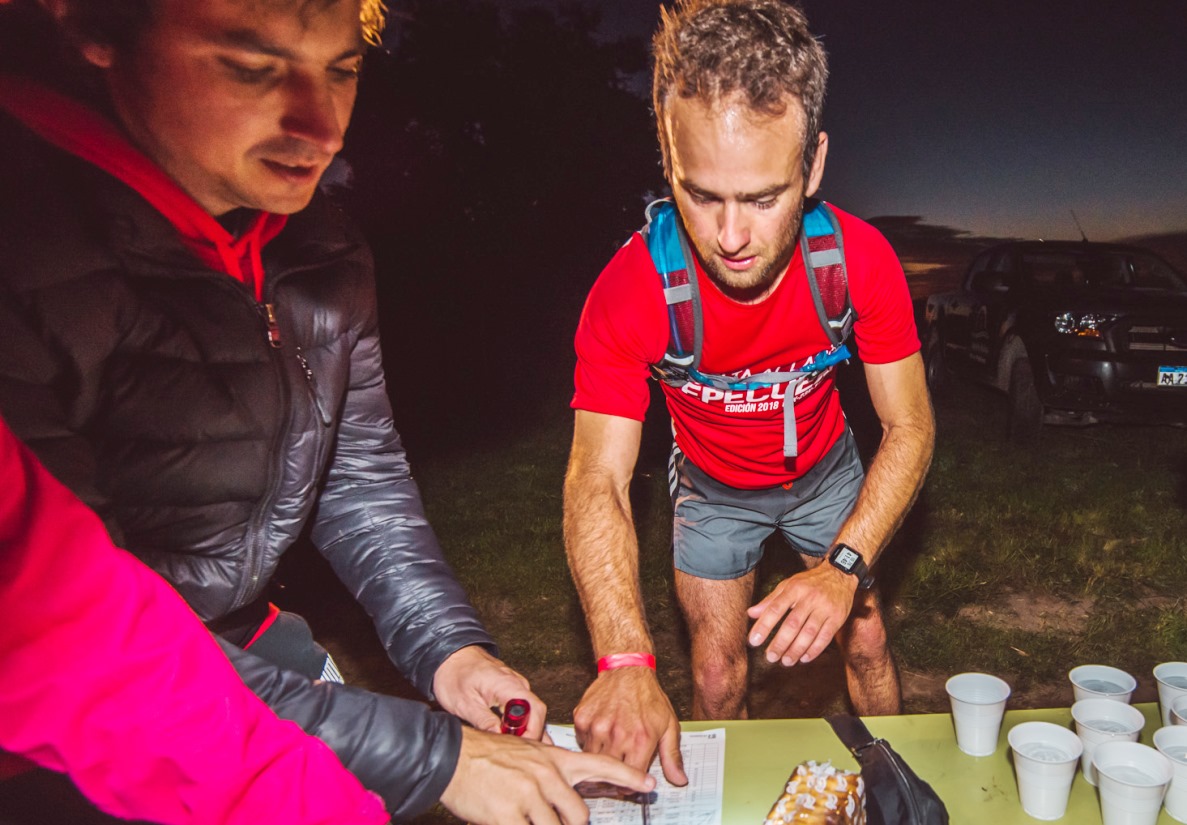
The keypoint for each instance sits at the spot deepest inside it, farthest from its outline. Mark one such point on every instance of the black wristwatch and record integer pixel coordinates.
(846, 559)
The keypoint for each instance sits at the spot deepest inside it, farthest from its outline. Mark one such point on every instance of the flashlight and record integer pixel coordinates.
(515, 716)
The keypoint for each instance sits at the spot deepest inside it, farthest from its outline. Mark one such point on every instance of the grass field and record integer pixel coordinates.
(1020, 562)
(1023, 562)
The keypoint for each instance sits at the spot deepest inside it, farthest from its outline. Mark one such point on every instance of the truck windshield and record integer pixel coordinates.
(1110, 269)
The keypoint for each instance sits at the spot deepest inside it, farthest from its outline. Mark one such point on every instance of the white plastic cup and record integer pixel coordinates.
(1045, 759)
(1179, 711)
(1101, 682)
(1132, 778)
(978, 704)
(1104, 720)
(1172, 743)
(1172, 683)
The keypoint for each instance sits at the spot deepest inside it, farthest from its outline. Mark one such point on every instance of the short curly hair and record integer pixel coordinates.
(120, 23)
(762, 49)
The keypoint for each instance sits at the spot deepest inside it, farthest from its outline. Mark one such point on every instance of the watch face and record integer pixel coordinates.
(845, 558)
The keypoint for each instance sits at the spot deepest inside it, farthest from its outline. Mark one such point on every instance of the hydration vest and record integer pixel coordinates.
(823, 249)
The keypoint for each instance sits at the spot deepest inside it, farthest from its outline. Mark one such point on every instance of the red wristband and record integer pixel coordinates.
(617, 660)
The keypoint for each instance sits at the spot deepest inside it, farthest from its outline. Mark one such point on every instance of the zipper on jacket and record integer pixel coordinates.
(311, 382)
(273, 326)
(255, 546)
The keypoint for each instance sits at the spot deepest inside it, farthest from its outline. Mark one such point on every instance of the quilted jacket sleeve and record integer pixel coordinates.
(396, 747)
(110, 678)
(370, 524)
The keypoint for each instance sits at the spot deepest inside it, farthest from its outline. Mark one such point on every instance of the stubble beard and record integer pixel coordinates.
(755, 282)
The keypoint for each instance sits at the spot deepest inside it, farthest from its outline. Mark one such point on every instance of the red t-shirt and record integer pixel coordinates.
(737, 437)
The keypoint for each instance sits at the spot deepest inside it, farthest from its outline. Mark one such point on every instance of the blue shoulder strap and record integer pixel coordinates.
(823, 249)
(668, 246)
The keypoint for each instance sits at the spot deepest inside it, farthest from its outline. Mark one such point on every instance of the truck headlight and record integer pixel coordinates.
(1083, 324)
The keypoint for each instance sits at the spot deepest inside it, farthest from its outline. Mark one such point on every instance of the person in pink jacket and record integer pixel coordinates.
(110, 678)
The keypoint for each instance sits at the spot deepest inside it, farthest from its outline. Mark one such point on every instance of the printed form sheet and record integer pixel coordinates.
(697, 803)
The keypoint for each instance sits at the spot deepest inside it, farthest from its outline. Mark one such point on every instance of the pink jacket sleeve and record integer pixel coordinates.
(106, 675)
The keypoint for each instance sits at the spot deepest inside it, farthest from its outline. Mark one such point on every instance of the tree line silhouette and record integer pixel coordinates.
(496, 162)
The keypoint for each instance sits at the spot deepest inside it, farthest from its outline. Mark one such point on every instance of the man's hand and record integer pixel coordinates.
(506, 779)
(471, 682)
(626, 714)
(816, 603)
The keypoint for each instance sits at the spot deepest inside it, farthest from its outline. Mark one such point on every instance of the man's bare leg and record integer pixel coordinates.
(716, 614)
(870, 671)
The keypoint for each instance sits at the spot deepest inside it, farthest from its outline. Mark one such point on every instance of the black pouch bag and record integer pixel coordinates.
(895, 795)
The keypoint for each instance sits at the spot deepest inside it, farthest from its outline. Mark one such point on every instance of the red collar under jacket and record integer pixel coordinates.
(81, 131)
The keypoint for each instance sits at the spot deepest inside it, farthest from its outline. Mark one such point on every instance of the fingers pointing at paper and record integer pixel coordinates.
(505, 779)
(626, 714)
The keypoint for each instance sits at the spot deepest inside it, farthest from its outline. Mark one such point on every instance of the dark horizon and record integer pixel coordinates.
(998, 119)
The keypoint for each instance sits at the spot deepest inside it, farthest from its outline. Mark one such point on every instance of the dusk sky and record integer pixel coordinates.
(998, 118)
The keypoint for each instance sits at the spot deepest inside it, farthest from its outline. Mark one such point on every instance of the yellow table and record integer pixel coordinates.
(759, 755)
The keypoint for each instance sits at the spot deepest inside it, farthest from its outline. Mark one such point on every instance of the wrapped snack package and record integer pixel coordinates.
(820, 795)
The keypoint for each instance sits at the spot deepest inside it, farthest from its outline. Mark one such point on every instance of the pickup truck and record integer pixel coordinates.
(1072, 332)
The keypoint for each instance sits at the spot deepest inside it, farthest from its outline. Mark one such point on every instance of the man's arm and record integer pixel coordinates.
(899, 393)
(371, 526)
(624, 712)
(823, 596)
(413, 756)
(398, 748)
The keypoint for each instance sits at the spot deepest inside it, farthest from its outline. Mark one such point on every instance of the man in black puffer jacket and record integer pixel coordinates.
(188, 339)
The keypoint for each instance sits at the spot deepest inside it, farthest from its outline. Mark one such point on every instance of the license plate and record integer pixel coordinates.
(1172, 376)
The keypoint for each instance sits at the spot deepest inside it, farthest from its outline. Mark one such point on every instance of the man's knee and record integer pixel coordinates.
(719, 687)
(865, 639)
(720, 668)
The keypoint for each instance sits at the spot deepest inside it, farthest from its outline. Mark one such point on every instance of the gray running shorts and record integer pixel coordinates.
(718, 531)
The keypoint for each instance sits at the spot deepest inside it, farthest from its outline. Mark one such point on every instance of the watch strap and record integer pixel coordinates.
(859, 568)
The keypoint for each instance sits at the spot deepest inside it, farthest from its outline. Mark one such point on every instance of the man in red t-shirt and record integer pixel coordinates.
(742, 150)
